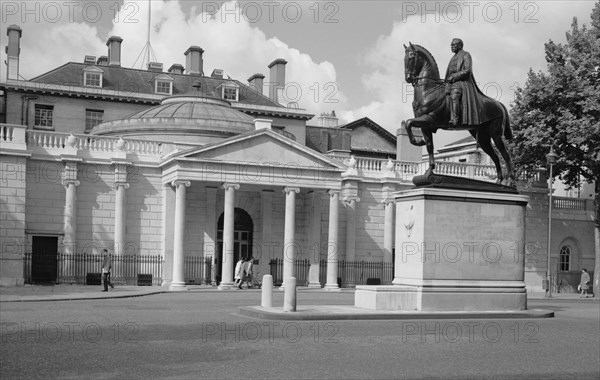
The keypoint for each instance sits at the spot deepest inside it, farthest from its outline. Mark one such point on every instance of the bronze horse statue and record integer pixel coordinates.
(431, 107)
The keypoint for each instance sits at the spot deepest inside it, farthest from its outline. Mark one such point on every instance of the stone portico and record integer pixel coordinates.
(260, 166)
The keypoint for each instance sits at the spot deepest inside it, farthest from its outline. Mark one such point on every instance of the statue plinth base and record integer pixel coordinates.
(450, 182)
(456, 250)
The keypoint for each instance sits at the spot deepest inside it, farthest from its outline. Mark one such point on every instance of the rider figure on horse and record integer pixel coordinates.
(465, 96)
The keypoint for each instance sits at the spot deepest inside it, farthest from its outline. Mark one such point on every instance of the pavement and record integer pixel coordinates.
(66, 292)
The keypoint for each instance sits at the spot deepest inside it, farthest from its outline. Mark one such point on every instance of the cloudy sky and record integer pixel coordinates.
(345, 56)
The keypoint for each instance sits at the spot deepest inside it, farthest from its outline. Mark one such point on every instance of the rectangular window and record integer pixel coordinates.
(93, 79)
(230, 93)
(163, 87)
(92, 118)
(44, 115)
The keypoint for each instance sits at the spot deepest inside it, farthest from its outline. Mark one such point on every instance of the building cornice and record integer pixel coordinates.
(80, 92)
(273, 111)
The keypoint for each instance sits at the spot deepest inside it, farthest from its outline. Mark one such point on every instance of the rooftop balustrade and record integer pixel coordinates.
(38, 142)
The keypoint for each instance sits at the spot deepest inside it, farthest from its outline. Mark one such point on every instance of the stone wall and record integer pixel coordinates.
(12, 218)
(33, 201)
(69, 116)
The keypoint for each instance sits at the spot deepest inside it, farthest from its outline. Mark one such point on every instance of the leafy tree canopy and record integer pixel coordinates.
(561, 109)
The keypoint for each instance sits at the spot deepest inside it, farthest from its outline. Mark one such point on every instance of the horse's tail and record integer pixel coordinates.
(506, 123)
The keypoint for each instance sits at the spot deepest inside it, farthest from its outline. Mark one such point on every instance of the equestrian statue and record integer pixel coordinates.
(455, 103)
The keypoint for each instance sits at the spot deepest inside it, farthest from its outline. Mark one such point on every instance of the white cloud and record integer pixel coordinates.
(43, 49)
(232, 44)
(502, 51)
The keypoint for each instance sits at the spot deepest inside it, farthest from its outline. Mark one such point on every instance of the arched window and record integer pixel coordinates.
(564, 258)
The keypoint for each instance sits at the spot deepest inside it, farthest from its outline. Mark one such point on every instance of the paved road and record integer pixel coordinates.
(198, 335)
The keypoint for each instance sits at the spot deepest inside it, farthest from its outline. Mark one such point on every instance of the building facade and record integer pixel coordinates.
(180, 174)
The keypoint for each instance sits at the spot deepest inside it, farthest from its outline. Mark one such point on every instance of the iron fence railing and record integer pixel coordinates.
(126, 269)
(301, 268)
(198, 270)
(567, 281)
(350, 273)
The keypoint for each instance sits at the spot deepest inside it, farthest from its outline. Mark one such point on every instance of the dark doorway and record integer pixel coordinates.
(43, 259)
(242, 239)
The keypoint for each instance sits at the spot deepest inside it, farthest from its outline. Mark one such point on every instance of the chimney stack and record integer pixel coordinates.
(13, 50)
(256, 82)
(193, 60)
(176, 68)
(114, 50)
(328, 120)
(102, 61)
(276, 78)
(155, 66)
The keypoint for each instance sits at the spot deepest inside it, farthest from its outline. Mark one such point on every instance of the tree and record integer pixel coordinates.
(560, 109)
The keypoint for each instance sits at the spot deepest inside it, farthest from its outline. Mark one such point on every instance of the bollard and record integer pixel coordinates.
(289, 295)
(267, 291)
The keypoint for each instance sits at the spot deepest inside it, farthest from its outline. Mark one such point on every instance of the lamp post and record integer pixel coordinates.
(550, 159)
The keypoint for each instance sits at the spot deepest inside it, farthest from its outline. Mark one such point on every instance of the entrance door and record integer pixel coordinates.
(242, 240)
(44, 259)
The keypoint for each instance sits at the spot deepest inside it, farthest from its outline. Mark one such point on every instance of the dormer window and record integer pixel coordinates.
(92, 77)
(164, 87)
(163, 84)
(230, 91)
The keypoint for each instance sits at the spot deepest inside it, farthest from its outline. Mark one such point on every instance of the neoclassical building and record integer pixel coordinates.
(179, 174)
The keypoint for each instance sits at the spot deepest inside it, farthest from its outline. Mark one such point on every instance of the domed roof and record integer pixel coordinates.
(194, 107)
(183, 117)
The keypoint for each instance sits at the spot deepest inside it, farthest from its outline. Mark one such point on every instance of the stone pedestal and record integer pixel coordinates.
(456, 250)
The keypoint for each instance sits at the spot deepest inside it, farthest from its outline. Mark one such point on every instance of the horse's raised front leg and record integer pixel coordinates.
(411, 137)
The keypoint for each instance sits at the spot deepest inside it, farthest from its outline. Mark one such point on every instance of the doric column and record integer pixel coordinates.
(228, 219)
(289, 235)
(388, 230)
(350, 203)
(350, 276)
(268, 241)
(314, 239)
(169, 198)
(119, 223)
(332, 244)
(70, 183)
(210, 231)
(178, 282)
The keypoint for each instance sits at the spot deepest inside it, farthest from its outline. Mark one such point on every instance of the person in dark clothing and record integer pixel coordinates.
(106, 267)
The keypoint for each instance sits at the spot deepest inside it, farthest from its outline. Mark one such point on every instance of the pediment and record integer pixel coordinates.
(93, 69)
(263, 147)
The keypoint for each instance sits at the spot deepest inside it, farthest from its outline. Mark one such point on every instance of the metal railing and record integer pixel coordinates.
(350, 273)
(355, 273)
(198, 270)
(126, 269)
(301, 268)
(567, 281)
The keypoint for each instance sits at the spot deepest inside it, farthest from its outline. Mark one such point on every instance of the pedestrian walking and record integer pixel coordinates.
(584, 283)
(246, 273)
(237, 272)
(106, 267)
